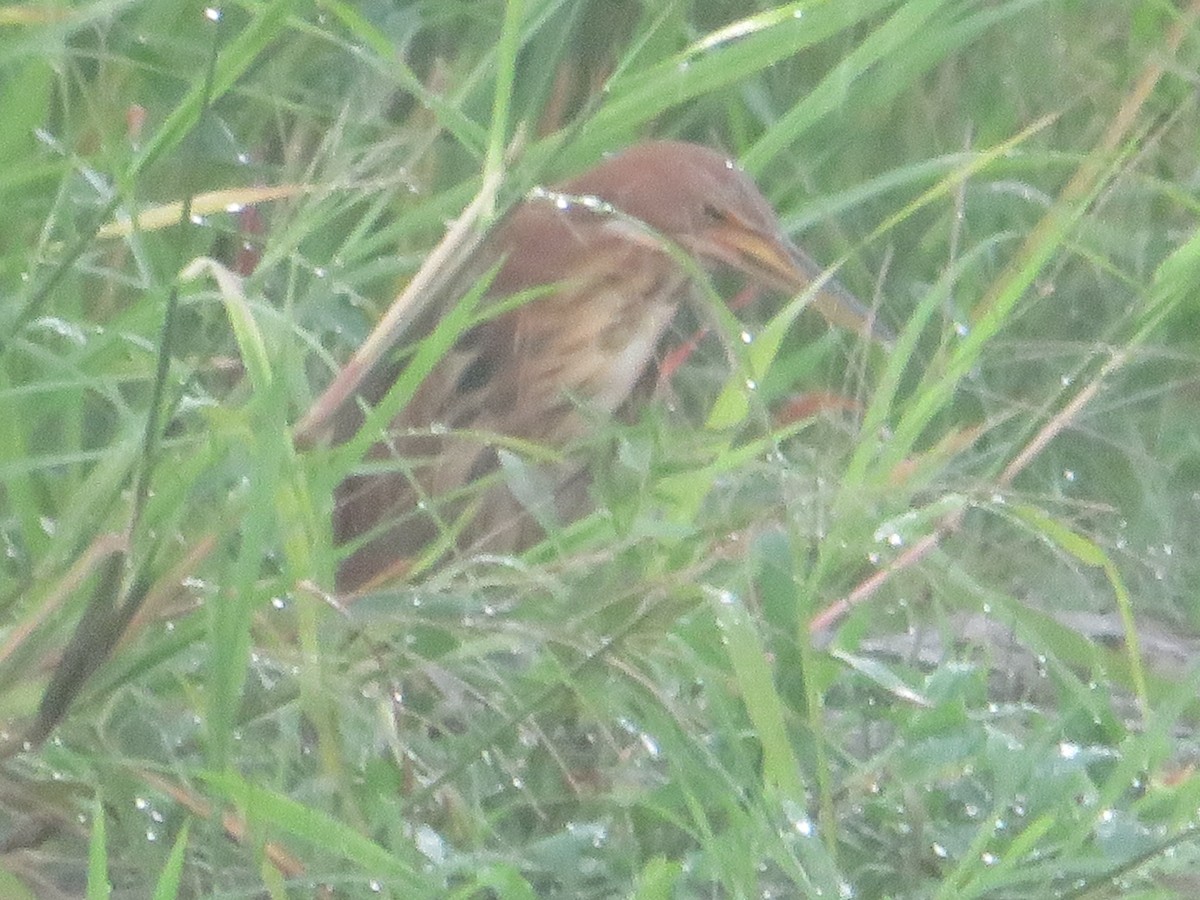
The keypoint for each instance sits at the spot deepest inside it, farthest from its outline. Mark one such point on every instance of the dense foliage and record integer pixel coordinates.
(847, 621)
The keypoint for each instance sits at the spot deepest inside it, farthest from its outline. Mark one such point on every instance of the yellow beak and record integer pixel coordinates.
(782, 264)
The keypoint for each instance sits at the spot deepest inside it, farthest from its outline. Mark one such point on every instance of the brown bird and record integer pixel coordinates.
(608, 245)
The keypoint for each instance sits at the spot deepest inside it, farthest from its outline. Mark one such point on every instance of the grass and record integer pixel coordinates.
(930, 634)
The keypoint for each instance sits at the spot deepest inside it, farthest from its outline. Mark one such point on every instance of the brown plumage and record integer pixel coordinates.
(603, 240)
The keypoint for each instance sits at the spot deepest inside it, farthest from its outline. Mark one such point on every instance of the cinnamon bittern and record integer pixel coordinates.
(608, 244)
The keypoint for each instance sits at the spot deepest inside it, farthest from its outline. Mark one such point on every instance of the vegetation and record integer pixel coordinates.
(847, 621)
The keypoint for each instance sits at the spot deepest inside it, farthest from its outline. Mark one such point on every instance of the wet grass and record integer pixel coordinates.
(849, 622)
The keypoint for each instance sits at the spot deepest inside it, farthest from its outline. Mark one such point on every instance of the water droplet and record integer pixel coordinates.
(650, 744)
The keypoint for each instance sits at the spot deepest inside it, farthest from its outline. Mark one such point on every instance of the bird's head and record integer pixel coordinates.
(702, 200)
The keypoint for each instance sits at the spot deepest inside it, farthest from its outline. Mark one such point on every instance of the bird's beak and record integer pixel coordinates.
(785, 266)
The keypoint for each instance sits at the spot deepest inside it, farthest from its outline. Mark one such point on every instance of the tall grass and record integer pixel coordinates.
(847, 622)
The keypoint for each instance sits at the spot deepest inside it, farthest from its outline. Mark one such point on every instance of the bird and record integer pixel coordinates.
(603, 259)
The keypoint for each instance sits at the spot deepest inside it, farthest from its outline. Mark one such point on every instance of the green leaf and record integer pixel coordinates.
(98, 885)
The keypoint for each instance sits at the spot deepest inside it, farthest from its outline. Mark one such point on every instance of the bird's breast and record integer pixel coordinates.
(591, 341)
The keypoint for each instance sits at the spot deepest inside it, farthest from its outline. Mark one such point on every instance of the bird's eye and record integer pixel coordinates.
(715, 214)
